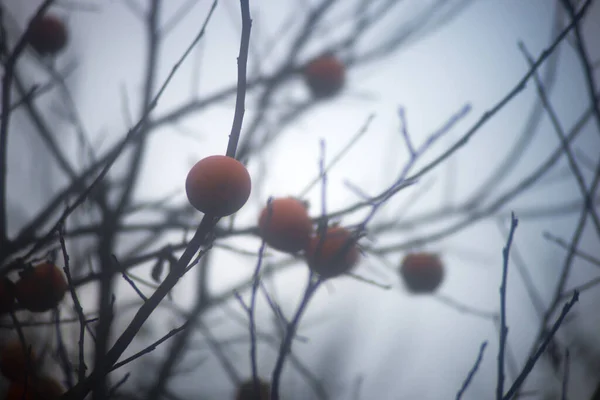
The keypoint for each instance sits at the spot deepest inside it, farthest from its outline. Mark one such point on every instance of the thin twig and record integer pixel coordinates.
(472, 372)
(290, 331)
(565, 382)
(364, 129)
(540, 350)
(562, 243)
(503, 327)
(588, 197)
(252, 308)
(584, 58)
(81, 368)
(7, 81)
(464, 308)
(61, 350)
(238, 117)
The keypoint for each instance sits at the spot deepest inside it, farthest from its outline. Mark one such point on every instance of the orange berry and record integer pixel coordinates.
(218, 185)
(47, 34)
(422, 272)
(246, 391)
(333, 254)
(41, 288)
(285, 225)
(17, 362)
(7, 295)
(325, 76)
(39, 388)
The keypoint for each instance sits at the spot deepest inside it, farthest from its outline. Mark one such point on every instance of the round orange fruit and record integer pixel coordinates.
(37, 388)
(218, 185)
(422, 272)
(284, 225)
(17, 362)
(41, 288)
(247, 391)
(325, 76)
(47, 34)
(334, 253)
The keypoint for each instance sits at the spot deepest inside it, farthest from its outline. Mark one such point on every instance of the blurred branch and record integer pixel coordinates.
(467, 219)
(472, 372)
(181, 342)
(584, 57)
(111, 218)
(104, 163)
(290, 330)
(540, 350)
(562, 243)
(7, 81)
(588, 197)
(528, 132)
(200, 238)
(508, 97)
(240, 100)
(503, 326)
(81, 367)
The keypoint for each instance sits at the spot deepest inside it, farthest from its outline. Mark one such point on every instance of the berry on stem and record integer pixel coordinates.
(47, 34)
(41, 288)
(17, 362)
(284, 224)
(218, 185)
(246, 391)
(334, 253)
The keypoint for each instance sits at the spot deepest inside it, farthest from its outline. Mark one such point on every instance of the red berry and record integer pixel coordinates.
(38, 388)
(218, 185)
(325, 76)
(285, 225)
(422, 272)
(333, 254)
(41, 288)
(247, 391)
(47, 34)
(17, 362)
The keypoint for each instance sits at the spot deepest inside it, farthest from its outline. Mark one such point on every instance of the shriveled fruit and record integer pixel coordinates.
(218, 185)
(16, 361)
(7, 295)
(325, 76)
(41, 288)
(47, 34)
(285, 225)
(37, 388)
(334, 253)
(422, 272)
(247, 391)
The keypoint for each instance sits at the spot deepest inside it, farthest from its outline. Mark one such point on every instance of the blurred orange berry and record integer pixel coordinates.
(422, 272)
(325, 76)
(47, 35)
(285, 225)
(37, 388)
(246, 391)
(17, 362)
(334, 253)
(41, 288)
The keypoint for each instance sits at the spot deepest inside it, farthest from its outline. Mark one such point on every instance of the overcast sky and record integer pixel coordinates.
(401, 346)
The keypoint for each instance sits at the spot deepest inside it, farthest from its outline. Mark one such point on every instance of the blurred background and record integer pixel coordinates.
(431, 59)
